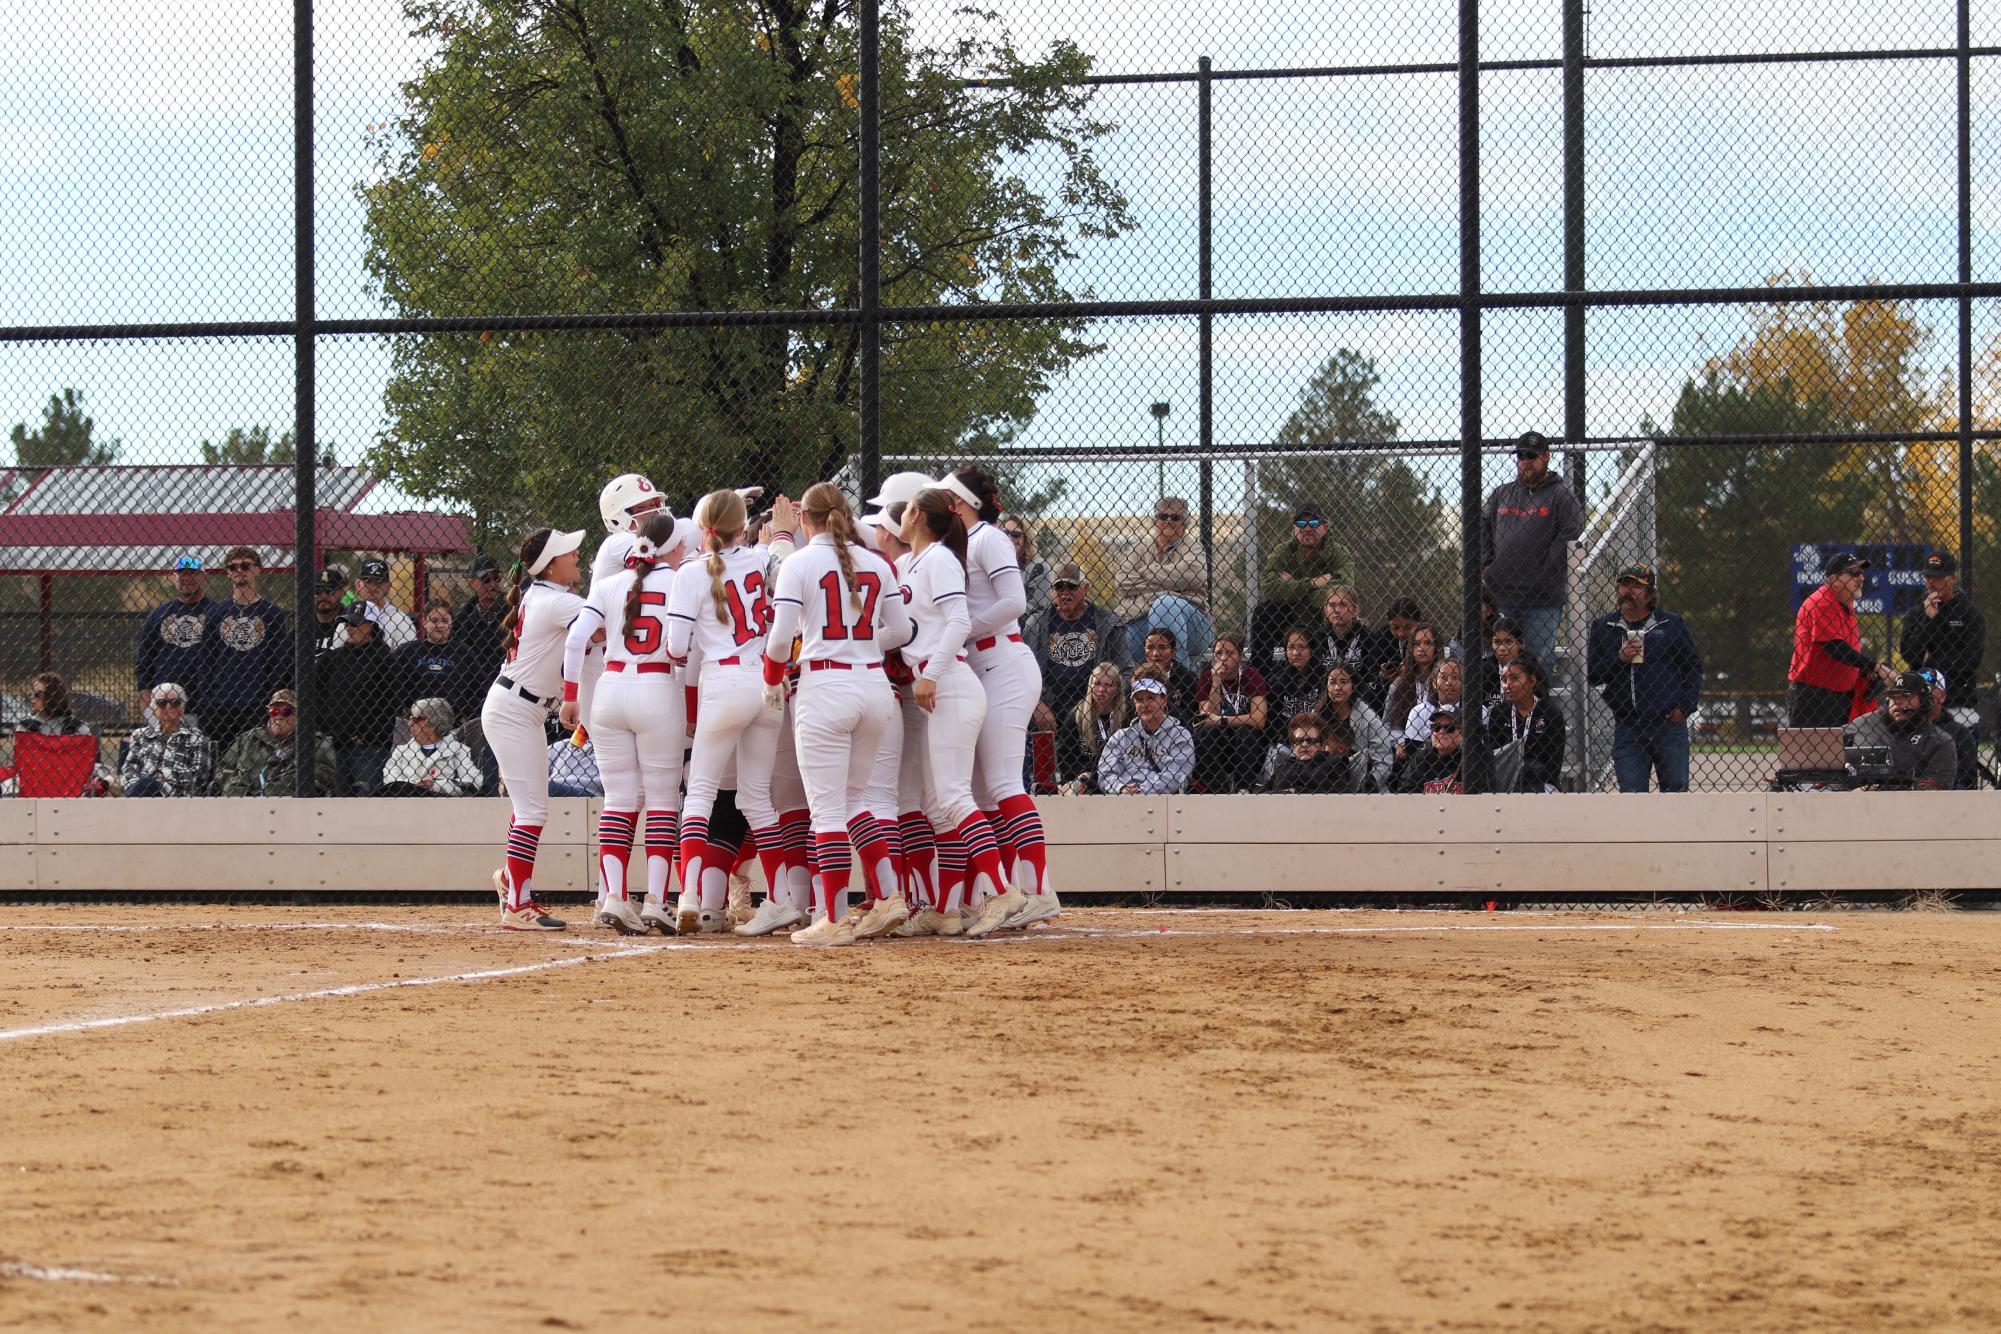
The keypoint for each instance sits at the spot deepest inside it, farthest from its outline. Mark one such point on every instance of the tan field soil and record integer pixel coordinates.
(1247, 1120)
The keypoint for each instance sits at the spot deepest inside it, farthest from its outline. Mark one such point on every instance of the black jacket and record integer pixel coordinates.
(1953, 641)
(1966, 773)
(480, 633)
(1366, 652)
(361, 690)
(1542, 742)
(443, 670)
(1322, 773)
(1429, 768)
(1919, 751)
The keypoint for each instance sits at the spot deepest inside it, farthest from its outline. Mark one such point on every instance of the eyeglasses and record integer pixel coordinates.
(239, 566)
(1528, 453)
(1065, 586)
(168, 703)
(1306, 523)
(490, 577)
(1437, 727)
(36, 694)
(1170, 518)
(1015, 534)
(1305, 739)
(280, 710)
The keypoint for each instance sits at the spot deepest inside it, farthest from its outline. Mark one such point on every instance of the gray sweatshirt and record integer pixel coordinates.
(1522, 534)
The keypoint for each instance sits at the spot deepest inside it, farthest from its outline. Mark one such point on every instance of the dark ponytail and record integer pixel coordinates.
(941, 520)
(657, 531)
(531, 549)
(987, 487)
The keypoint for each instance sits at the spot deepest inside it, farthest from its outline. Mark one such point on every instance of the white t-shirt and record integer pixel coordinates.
(691, 607)
(536, 664)
(813, 602)
(934, 584)
(995, 595)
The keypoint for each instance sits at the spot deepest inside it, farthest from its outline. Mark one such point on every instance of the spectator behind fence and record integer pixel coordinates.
(1069, 639)
(1154, 754)
(263, 761)
(1365, 652)
(1297, 575)
(1035, 577)
(249, 645)
(1435, 768)
(361, 691)
(1526, 530)
(1162, 656)
(1374, 746)
(1947, 633)
(1313, 760)
(1448, 689)
(393, 626)
(1411, 686)
(431, 763)
(1965, 742)
(1828, 666)
(1164, 582)
(173, 643)
(1504, 645)
(50, 713)
(1896, 745)
(169, 756)
(573, 769)
(477, 624)
(1087, 727)
(439, 666)
(1530, 759)
(1294, 686)
(326, 610)
(1230, 703)
(1644, 662)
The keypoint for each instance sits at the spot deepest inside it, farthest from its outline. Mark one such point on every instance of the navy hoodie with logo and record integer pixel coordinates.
(249, 655)
(1641, 694)
(173, 646)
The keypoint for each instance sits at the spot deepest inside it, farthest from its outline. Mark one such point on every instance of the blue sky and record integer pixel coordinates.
(145, 175)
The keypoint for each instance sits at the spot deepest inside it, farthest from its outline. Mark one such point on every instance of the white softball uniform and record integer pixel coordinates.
(638, 720)
(935, 584)
(731, 722)
(844, 700)
(995, 599)
(518, 702)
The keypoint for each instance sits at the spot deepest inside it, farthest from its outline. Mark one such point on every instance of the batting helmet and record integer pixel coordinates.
(625, 500)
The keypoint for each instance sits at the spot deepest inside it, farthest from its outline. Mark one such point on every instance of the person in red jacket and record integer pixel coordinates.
(1828, 663)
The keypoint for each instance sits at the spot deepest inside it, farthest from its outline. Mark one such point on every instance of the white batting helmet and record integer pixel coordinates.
(625, 499)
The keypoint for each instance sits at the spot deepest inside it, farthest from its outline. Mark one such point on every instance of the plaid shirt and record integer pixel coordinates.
(182, 762)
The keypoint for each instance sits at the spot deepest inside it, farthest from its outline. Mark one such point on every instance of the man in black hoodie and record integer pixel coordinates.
(1947, 633)
(1525, 532)
(360, 689)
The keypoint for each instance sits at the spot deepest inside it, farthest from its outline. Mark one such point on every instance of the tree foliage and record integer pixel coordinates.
(569, 156)
(65, 438)
(256, 445)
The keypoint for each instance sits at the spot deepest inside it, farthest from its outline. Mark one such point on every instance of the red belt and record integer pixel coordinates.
(828, 664)
(982, 645)
(643, 668)
(927, 662)
(728, 662)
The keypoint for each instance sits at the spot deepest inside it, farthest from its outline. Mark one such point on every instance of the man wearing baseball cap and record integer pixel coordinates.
(476, 625)
(1069, 638)
(1896, 745)
(1828, 664)
(1154, 754)
(1947, 633)
(1297, 574)
(1526, 529)
(1643, 661)
(1164, 580)
(172, 643)
(393, 626)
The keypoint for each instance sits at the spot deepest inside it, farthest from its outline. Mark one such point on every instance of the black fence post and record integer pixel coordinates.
(1573, 239)
(1206, 410)
(1473, 766)
(869, 380)
(306, 449)
(1965, 130)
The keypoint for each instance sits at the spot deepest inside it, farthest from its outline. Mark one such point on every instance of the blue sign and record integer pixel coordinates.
(1894, 583)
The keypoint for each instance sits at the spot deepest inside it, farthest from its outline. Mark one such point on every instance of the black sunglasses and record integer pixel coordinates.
(1305, 739)
(1445, 727)
(1061, 585)
(240, 565)
(1171, 518)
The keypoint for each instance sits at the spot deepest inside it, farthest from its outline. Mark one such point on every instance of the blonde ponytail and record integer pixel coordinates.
(721, 515)
(829, 508)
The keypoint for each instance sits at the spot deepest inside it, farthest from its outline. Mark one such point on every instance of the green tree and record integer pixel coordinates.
(566, 156)
(66, 438)
(256, 445)
(1389, 516)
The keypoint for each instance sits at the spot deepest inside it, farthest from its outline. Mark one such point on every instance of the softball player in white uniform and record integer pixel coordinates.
(624, 504)
(638, 721)
(517, 708)
(842, 601)
(995, 599)
(721, 608)
(951, 709)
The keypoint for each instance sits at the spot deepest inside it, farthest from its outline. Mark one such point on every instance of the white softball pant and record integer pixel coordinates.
(1012, 682)
(911, 764)
(639, 724)
(950, 733)
(879, 798)
(514, 733)
(839, 718)
(732, 722)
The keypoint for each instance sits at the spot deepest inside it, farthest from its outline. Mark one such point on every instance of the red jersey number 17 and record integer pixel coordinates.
(869, 586)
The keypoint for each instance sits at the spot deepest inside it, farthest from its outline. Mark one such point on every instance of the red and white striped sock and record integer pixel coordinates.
(663, 832)
(880, 873)
(1020, 831)
(522, 840)
(615, 849)
(716, 863)
(982, 853)
(999, 826)
(951, 887)
(795, 833)
(771, 856)
(833, 858)
(919, 847)
(694, 854)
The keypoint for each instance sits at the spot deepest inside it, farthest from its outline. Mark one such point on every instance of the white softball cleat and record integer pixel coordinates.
(621, 916)
(500, 886)
(530, 916)
(771, 916)
(827, 931)
(923, 922)
(995, 913)
(711, 922)
(1039, 908)
(739, 900)
(658, 917)
(884, 916)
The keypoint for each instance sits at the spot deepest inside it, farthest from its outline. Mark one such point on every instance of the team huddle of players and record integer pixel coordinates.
(851, 687)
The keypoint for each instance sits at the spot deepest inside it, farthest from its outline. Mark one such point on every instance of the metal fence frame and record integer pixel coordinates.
(1471, 300)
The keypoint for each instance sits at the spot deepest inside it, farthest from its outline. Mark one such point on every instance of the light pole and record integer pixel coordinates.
(1160, 411)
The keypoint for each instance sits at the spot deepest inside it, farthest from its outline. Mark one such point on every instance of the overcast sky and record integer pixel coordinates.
(146, 168)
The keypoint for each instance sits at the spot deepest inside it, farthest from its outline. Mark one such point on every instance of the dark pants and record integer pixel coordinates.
(1639, 755)
(1811, 706)
(1228, 759)
(358, 770)
(145, 786)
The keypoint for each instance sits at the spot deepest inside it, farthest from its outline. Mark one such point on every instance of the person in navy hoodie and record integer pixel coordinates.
(173, 644)
(440, 666)
(249, 653)
(1644, 662)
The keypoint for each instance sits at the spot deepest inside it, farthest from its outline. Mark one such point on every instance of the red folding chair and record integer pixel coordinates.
(54, 766)
(1042, 753)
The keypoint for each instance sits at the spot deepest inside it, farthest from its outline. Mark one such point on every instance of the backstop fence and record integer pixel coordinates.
(1248, 312)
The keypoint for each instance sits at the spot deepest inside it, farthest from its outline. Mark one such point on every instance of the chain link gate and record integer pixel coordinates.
(1248, 311)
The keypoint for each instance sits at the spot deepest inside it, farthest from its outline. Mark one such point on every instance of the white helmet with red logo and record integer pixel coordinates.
(625, 500)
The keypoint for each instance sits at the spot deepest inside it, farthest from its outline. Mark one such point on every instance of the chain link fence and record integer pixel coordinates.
(1250, 312)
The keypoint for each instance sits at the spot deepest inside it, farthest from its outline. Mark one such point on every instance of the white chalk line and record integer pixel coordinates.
(21, 1269)
(1115, 932)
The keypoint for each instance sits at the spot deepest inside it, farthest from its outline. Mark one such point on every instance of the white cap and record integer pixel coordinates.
(559, 544)
(880, 519)
(899, 486)
(950, 482)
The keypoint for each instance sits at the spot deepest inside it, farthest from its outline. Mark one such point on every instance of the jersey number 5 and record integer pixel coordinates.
(643, 634)
(870, 586)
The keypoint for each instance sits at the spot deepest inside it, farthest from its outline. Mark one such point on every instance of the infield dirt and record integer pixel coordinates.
(1140, 1121)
